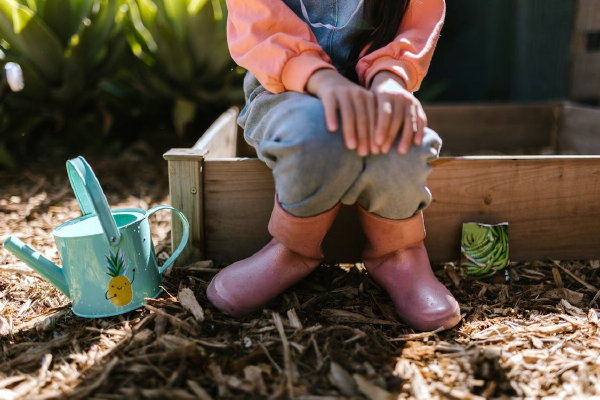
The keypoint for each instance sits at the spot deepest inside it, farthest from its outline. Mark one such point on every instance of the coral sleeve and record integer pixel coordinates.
(410, 53)
(267, 38)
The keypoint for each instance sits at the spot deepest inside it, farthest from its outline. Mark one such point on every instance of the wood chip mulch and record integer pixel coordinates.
(333, 336)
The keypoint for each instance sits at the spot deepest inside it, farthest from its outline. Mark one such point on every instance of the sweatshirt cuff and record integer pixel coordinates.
(402, 69)
(297, 70)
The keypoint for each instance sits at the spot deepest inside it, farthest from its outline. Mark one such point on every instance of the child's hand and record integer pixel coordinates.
(396, 107)
(355, 104)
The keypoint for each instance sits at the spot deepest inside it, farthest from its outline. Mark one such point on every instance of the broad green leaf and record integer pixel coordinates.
(147, 10)
(95, 36)
(64, 17)
(212, 55)
(217, 9)
(176, 15)
(31, 38)
(20, 18)
(141, 11)
(195, 6)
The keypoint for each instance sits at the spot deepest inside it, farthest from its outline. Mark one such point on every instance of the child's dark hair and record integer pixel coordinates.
(382, 17)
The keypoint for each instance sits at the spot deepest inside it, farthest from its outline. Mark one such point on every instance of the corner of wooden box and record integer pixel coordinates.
(184, 154)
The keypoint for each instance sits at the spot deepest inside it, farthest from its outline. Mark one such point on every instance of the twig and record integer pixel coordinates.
(87, 390)
(266, 351)
(287, 359)
(174, 320)
(413, 336)
(578, 279)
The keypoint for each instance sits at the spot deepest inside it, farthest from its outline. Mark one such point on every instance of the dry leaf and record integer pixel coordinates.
(188, 301)
(370, 390)
(342, 379)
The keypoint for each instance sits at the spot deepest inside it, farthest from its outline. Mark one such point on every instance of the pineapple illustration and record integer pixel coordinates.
(119, 288)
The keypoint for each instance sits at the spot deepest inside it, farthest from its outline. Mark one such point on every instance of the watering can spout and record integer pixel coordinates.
(41, 264)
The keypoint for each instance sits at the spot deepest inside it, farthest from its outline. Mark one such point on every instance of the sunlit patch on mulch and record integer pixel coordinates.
(333, 336)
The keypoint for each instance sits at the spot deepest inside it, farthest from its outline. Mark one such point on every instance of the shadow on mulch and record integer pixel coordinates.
(335, 335)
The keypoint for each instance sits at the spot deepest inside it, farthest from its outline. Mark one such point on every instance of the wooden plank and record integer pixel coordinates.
(186, 191)
(220, 139)
(494, 128)
(579, 130)
(585, 76)
(239, 198)
(552, 211)
(551, 204)
(238, 202)
(588, 16)
(183, 155)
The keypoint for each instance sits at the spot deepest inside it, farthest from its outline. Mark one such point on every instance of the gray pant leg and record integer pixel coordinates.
(311, 166)
(394, 185)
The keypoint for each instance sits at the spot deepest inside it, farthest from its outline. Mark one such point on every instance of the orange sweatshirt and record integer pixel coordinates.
(267, 38)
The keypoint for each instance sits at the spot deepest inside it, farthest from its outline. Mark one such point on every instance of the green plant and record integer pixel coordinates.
(484, 249)
(183, 49)
(64, 48)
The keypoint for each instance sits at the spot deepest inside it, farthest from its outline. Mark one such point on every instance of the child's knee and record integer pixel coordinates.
(431, 145)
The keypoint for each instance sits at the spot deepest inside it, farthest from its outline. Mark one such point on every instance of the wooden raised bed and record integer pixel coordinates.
(552, 202)
(585, 64)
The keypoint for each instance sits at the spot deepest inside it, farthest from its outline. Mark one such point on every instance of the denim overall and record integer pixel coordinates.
(312, 168)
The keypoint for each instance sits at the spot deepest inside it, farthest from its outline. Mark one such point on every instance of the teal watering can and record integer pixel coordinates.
(109, 265)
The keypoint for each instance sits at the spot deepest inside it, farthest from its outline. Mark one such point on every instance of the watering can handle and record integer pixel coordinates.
(91, 198)
(184, 237)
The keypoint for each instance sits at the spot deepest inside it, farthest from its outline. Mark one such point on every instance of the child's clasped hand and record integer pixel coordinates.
(371, 118)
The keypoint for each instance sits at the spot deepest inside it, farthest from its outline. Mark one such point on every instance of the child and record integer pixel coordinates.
(310, 61)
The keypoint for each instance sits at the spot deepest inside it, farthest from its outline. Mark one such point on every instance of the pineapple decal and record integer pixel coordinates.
(119, 288)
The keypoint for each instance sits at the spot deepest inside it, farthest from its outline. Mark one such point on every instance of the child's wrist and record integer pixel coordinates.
(383, 76)
(318, 78)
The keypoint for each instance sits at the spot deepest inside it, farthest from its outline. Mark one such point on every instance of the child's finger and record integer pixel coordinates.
(330, 108)
(407, 131)
(395, 123)
(362, 125)
(421, 124)
(348, 124)
(384, 117)
(370, 105)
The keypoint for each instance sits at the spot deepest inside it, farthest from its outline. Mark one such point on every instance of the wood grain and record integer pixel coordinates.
(549, 202)
(186, 192)
(585, 76)
(238, 200)
(588, 16)
(580, 130)
(585, 62)
(220, 139)
(185, 154)
(495, 129)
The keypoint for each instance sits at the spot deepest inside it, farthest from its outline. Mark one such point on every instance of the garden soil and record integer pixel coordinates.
(333, 336)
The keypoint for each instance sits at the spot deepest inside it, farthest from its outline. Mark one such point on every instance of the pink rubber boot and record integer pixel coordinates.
(294, 252)
(396, 258)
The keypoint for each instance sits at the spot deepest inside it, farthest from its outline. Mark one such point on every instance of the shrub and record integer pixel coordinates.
(64, 49)
(96, 73)
(183, 52)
